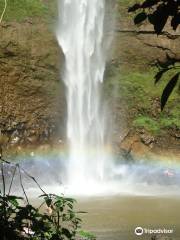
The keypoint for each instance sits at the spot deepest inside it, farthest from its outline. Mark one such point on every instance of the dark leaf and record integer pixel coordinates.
(149, 3)
(48, 201)
(140, 17)
(134, 7)
(12, 197)
(81, 212)
(175, 21)
(159, 75)
(72, 200)
(160, 18)
(43, 195)
(70, 205)
(151, 19)
(66, 232)
(173, 7)
(168, 90)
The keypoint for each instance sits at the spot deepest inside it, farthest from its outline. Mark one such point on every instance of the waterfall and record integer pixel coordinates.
(80, 35)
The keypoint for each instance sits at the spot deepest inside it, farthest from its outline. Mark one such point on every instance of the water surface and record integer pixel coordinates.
(115, 218)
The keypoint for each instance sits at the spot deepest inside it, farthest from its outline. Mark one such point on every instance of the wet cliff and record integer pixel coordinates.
(32, 102)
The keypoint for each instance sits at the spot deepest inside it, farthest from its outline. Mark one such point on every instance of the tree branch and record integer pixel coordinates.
(4, 10)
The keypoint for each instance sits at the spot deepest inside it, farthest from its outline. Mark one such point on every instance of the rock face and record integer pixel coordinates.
(32, 97)
(138, 45)
(32, 101)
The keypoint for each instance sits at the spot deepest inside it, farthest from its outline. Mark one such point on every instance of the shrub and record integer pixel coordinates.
(54, 219)
(27, 222)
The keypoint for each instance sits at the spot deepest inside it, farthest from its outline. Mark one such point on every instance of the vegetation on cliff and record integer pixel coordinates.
(136, 89)
(30, 72)
(20, 10)
(157, 13)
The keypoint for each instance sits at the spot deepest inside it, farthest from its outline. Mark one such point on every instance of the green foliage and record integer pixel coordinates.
(158, 12)
(135, 87)
(140, 18)
(54, 219)
(18, 10)
(26, 222)
(87, 235)
(147, 123)
(168, 89)
(135, 90)
(170, 120)
(158, 124)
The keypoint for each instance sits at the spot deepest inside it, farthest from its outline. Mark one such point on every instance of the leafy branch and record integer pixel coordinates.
(158, 13)
(19, 221)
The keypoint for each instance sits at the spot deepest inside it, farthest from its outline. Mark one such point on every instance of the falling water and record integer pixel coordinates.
(80, 35)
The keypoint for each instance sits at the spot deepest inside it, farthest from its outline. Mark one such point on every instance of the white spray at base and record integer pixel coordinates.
(80, 35)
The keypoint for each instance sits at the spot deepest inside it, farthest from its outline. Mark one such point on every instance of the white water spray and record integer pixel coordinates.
(80, 35)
